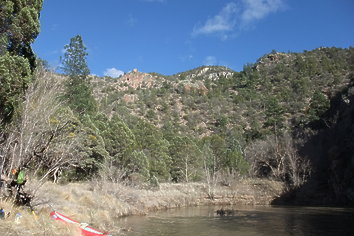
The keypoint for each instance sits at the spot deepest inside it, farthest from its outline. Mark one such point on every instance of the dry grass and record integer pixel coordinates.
(31, 223)
(100, 203)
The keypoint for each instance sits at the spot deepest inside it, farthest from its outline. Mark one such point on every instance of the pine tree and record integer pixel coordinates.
(78, 89)
(318, 106)
(274, 114)
(74, 61)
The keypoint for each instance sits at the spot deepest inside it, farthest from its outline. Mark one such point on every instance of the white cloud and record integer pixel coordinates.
(236, 16)
(258, 9)
(113, 72)
(222, 22)
(210, 61)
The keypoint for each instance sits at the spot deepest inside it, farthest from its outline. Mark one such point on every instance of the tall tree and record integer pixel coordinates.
(274, 114)
(19, 26)
(74, 61)
(78, 89)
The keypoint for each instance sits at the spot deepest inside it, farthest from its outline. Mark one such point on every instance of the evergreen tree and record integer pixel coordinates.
(78, 89)
(319, 105)
(235, 160)
(151, 141)
(19, 26)
(74, 61)
(186, 159)
(15, 74)
(139, 163)
(119, 141)
(274, 114)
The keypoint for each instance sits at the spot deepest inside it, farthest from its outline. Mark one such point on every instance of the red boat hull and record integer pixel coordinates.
(83, 228)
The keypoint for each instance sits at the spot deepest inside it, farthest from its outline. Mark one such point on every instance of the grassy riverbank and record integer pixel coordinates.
(100, 204)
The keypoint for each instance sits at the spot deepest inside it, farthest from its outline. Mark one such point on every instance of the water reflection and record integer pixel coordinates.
(246, 221)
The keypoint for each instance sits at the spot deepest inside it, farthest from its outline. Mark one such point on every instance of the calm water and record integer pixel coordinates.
(245, 221)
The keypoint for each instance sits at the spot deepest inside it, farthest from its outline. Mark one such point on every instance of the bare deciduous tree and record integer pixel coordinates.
(277, 157)
(42, 137)
(211, 171)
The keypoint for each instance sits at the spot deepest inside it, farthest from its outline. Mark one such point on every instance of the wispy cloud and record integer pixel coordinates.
(236, 16)
(113, 72)
(210, 61)
(259, 9)
(223, 22)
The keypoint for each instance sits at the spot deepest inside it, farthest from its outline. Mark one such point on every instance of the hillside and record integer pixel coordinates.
(287, 117)
(281, 94)
(278, 86)
(156, 97)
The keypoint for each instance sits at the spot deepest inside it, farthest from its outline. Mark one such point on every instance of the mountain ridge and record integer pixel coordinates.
(272, 75)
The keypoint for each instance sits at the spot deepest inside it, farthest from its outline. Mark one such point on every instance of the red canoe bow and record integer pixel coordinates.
(84, 228)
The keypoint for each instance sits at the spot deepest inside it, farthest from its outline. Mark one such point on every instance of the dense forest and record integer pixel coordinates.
(288, 116)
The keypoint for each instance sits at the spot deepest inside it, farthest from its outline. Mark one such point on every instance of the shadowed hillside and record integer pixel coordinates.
(330, 148)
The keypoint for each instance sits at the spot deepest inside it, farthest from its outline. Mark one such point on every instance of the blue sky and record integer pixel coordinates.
(171, 36)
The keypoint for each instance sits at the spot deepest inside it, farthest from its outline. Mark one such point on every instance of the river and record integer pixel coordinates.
(245, 221)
